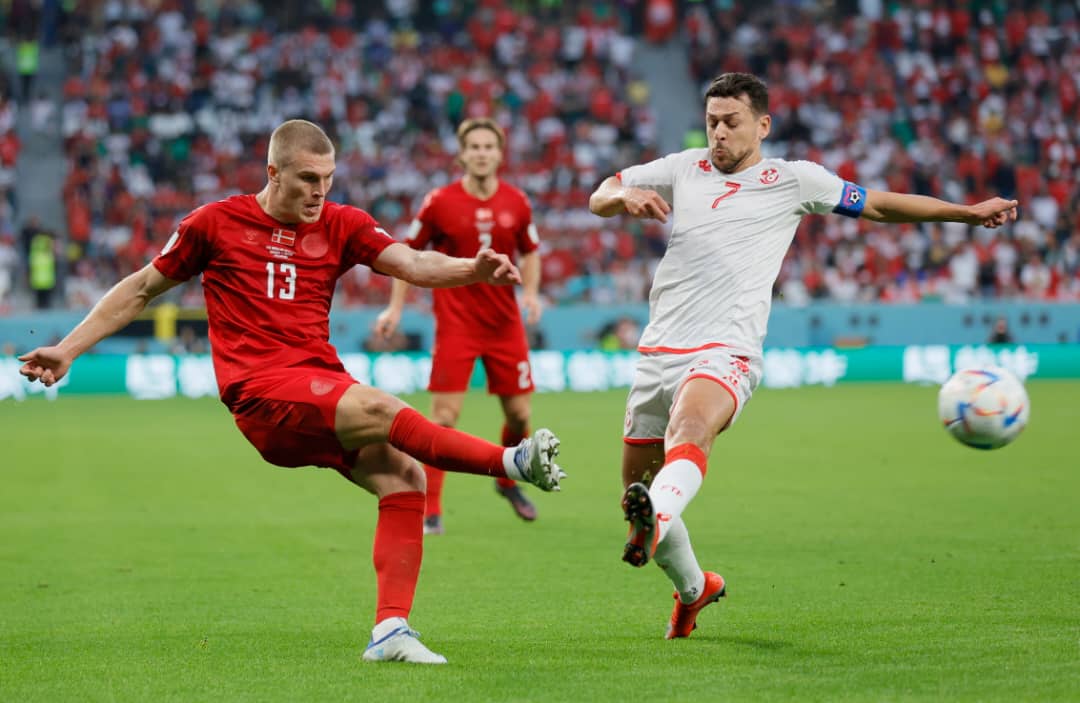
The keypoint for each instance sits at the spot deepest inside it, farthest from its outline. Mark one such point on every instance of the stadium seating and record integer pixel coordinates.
(164, 110)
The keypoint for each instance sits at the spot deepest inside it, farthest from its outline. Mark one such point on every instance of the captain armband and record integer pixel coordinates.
(852, 200)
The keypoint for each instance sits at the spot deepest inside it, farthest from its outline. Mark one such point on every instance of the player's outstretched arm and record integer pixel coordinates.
(613, 198)
(113, 312)
(530, 286)
(886, 206)
(432, 269)
(387, 321)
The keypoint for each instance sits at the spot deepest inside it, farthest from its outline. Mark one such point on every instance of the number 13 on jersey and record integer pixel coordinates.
(287, 291)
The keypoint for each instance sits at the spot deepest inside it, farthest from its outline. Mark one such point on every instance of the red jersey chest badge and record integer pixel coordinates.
(314, 245)
(506, 220)
(769, 176)
(705, 165)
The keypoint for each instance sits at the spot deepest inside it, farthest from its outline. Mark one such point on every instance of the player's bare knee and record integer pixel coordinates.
(379, 409)
(382, 470)
(445, 417)
(690, 429)
(413, 476)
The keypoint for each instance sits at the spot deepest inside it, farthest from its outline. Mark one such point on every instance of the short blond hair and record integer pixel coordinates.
(480, 123)
(293, 136)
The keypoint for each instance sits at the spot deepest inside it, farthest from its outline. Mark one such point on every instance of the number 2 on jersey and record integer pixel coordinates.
(288, 280)
(485, 240)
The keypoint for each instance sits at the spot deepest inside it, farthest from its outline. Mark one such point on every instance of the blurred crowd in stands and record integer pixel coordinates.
(961, 100)
(168, 104)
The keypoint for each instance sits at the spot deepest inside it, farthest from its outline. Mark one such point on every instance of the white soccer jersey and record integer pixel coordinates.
(729, 235)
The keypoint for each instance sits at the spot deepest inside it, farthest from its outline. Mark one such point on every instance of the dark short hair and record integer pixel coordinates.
(735, 85)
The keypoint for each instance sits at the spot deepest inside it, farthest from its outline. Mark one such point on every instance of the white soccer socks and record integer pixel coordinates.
(672, 490)
(675, 556)
(676, 484)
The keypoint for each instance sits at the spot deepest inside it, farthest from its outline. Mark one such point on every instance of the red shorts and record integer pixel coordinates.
(288, 415)
(506, 362)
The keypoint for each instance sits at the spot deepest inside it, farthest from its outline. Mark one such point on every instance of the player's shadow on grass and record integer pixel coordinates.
(755, 642)
(759, 644)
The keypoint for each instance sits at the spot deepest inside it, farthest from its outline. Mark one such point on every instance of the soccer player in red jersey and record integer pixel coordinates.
(269, 263)
(478, 213)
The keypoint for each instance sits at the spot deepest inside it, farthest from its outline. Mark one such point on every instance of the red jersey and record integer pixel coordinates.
(459, 224)
(268, 284)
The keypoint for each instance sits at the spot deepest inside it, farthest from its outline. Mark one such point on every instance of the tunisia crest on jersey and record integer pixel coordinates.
(283, 236)
(770, 176)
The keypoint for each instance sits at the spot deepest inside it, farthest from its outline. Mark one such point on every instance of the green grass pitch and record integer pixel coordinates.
(149, 555)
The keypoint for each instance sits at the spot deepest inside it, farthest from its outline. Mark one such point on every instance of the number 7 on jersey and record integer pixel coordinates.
(733, 188)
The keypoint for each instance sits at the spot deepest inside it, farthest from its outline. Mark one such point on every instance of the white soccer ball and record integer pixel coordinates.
(984, 408)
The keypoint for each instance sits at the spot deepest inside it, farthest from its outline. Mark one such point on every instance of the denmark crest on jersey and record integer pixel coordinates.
(770, 176)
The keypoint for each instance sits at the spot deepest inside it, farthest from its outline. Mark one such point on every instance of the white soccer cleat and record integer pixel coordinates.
(393, 640)
(535, 459)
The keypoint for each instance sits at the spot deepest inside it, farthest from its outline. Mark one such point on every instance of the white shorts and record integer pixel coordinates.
(659, 377)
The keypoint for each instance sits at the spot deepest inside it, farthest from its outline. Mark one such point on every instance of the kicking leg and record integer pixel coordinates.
(674, 555)
(702, 409)
(366, 415)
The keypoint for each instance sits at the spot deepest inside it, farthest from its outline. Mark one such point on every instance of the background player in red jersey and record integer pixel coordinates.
(478, 213)
(269, 263)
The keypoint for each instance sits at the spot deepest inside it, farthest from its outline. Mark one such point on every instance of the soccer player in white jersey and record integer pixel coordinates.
(734, 216)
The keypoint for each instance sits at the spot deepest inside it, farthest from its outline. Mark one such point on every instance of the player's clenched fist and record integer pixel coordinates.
(45, 364)
(646, 204)
(495, 268)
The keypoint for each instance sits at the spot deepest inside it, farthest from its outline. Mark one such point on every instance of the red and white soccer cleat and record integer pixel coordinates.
(684, 615)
